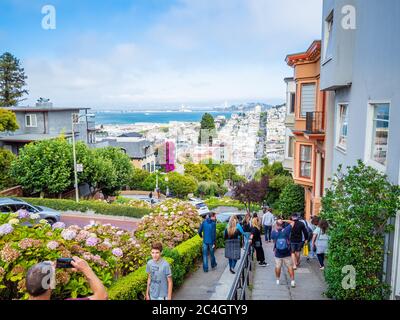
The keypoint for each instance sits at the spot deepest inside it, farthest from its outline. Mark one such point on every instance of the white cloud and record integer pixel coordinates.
(198, 51)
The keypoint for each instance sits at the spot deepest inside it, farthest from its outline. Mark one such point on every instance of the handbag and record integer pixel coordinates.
(257, 244)
(305, 251)
(232, 249)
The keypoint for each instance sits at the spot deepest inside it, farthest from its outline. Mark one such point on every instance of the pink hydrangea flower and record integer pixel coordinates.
(117, 252)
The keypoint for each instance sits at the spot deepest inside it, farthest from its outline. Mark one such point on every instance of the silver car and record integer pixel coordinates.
(10, 205)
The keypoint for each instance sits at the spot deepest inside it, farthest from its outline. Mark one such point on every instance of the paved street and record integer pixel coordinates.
(81, 220)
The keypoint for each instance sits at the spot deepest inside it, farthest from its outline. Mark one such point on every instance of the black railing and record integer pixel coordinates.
(242, 278)
(315, 122)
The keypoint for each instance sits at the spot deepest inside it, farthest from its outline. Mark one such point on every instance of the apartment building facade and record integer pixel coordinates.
(360, 73)
(309, 126)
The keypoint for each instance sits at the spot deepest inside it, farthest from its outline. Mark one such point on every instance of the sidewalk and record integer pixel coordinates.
(310, 283)
(200, 285)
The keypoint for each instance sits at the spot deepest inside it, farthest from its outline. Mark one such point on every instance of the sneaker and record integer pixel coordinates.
(232, 271)
(278, 282)
(293, 284)
(322, 268)
(214, 266)
(264, 264)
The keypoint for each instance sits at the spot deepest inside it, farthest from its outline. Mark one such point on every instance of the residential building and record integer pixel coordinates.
(309, 126)
(43, 122)
(289, 123)
(140, 150)
(360, 73)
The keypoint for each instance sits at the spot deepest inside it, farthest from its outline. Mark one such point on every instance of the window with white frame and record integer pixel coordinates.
(342, 127)
(30, 120)
(308, 98)
(328, 37)
(305, 161)
(380, 133)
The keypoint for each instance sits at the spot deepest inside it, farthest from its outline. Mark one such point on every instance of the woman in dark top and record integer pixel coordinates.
(246, 223)
(256, 242)
(231, 233)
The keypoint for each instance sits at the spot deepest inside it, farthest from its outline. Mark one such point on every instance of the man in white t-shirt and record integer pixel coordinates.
(268, 220)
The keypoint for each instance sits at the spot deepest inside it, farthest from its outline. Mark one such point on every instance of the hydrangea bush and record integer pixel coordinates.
(110, 251)
(171, 222)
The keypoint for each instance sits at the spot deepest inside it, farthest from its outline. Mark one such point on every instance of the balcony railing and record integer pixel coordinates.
(315, 122)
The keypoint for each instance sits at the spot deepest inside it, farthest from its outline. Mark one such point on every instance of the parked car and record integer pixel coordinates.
(200, 206)
(225, 216)
(10, 205)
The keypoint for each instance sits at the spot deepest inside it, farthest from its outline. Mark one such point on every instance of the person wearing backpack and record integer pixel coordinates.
(320, 241)
(281, 236)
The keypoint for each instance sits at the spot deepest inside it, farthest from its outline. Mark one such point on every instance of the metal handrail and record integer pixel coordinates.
(242, 278)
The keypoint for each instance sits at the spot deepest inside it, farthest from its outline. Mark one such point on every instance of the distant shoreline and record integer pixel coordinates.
(152, 117)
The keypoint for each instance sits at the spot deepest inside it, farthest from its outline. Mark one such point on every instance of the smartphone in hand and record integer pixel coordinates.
(64, 263)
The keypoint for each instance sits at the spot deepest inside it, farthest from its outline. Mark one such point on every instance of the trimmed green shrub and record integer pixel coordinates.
(99, 207)
(220, 235)
(291, 200)
(358, 206)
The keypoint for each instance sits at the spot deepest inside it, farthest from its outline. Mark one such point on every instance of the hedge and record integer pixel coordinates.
(85, 205)
(182, 260)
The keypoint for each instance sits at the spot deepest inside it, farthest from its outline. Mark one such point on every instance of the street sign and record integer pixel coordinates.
(79, 167)
(75, 118)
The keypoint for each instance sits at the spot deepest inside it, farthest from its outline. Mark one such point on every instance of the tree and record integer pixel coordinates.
(252, 192)
(44, 167)
(358, 206)
(8, 121)
(122, 166)
(207, 128)
(181, 185)
(137, 179)
(199, 171)
(6, 158)
(291, 200)
(210, 189)
(12, 80)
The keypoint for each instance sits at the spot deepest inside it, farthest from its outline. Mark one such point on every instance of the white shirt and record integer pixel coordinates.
(268, 219)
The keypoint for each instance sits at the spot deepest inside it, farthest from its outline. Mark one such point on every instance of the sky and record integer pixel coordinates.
(158, 53)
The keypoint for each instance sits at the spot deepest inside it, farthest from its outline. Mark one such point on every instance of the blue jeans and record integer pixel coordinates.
(206, 248)
(267, 230)
(232, 263)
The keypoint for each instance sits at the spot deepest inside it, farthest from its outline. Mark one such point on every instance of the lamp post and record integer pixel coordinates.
(75, 120)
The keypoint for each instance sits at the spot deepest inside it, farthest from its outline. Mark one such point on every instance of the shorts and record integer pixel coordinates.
(287, 261)
(296, 247)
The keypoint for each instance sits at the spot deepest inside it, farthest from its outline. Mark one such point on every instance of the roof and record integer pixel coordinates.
(29, 137)
(43, 109)
(134, 149)
(312, 54)
(131, 135)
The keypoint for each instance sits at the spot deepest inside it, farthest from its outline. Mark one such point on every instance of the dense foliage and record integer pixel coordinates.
(358, 206)
(6, 158)
(207, 129)
(100, 207)
(291, 200)
(253, 192)
(46, 167)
